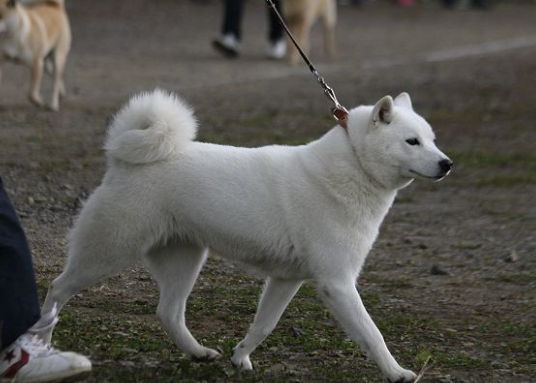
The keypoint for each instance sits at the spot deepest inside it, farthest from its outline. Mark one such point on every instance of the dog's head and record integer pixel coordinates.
(394, 144)
(6, 8)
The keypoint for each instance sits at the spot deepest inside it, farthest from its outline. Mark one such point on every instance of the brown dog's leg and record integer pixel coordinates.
(300, 28)
(60, 59)
(330, 22)
(329, 42)
(293, 22)
(37, 76)
(59, 86)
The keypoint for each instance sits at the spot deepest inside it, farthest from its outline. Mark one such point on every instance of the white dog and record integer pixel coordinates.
(294, 213)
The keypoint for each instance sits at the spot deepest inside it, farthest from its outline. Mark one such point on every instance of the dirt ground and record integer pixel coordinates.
(453, 274)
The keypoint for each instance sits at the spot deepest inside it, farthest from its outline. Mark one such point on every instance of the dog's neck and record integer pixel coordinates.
(16, 20)
(339, 168)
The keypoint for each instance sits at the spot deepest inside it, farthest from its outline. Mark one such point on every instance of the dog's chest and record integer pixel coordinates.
(16, 50)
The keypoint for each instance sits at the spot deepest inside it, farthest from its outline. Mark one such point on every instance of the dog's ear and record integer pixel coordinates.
(383, 111)
(403, 100)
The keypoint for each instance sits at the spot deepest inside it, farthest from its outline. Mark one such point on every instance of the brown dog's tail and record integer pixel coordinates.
(50, 3)
(55, 3)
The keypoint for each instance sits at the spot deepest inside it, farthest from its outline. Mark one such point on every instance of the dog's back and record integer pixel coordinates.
(49, 16)
(311, 9)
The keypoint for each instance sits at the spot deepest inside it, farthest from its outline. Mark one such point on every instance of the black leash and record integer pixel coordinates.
(339, 112)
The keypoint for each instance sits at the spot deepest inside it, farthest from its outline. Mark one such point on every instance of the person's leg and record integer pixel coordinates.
(275, 29)
(228, 44)
(482, 4)
(450, 3)
(19, 304)
(277, 45)
(232, 18)
(24, 357)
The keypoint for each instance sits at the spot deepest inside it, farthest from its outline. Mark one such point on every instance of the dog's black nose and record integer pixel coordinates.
(445, 165)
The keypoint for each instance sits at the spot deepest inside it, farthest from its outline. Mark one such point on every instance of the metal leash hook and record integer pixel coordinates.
(339, 112)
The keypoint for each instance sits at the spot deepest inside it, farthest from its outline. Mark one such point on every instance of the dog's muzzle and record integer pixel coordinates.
(445, 166)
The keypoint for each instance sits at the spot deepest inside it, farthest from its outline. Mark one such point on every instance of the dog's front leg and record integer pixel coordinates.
(344, 302)
(276, 296)
(37, 77)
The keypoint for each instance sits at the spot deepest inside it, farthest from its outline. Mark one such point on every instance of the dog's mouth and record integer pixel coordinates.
(435, 178)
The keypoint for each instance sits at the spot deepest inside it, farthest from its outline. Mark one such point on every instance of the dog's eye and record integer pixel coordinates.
(413, 141)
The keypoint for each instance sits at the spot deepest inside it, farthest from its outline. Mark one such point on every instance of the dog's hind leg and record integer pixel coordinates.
(60, 59)
(85, 267)
(37, 77)
(175, 268)
(330, 22)
(97, 250)
(275, 298)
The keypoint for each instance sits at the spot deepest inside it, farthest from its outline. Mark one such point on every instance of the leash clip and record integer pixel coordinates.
(341, 115)
(339, 112)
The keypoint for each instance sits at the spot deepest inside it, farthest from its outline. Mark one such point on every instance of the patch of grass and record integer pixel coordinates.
(520, 335)
(466, 246)
(125, 340)
(403, 325)
(264, 120)
(516, 278)
(422, 356)
(459, 360)
(393, 282)
(481, 159)
(507, 180)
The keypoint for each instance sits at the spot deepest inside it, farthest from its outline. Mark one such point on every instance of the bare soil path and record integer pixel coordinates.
(453, 274)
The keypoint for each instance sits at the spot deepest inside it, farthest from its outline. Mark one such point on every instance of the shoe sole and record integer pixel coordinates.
(71, 378)
(224, 50)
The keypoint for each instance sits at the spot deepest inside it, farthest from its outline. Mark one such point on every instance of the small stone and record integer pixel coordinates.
(438, 270)
(296, 332)
(513, 257)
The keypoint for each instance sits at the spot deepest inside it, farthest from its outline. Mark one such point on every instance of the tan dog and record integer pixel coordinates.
(300, 16)
(38, 34)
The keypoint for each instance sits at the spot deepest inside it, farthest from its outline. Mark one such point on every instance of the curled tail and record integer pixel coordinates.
(150, 127)
(52, 3)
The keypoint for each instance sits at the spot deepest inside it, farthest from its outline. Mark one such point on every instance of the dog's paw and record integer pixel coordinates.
(205, 355)
(36, 100)
(54, 107)
(241, 362)
(402, 376)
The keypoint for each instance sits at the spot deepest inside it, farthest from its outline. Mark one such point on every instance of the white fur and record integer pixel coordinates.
(293, 213)
(150, 128)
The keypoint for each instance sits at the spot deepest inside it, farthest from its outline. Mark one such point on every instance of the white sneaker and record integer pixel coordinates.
(277, 50)
(228, 45)
(30, 360)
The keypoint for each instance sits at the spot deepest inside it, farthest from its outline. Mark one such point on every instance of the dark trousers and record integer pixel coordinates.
(474, 3)
(19, 304)
(233, 12)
